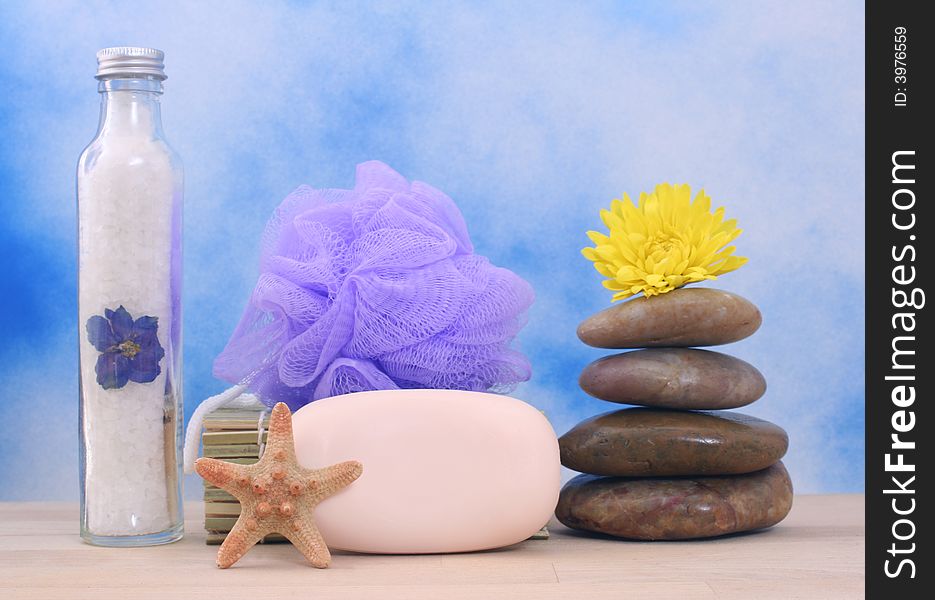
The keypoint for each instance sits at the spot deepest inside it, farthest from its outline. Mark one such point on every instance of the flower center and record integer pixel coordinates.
(129, 348)
(662, 243)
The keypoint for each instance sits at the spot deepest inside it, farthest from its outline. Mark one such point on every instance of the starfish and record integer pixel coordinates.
(277, 494)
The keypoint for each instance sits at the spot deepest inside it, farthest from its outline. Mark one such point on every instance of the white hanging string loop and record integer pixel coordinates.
(260, 430)
(192, 434)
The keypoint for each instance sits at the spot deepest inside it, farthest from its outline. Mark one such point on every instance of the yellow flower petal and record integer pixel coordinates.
(609, 253)
(627, 272)
(598, 238)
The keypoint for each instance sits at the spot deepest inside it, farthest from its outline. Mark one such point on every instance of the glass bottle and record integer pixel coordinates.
(129, 186)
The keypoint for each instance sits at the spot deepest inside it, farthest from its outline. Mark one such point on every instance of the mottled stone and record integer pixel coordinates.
(681, 378)
(676, 509)
(682, 317)
(656, 442)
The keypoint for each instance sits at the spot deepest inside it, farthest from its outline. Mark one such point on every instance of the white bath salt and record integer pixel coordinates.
(126, 223)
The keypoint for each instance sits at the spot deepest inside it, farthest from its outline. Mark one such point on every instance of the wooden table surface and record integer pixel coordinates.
(817, 552)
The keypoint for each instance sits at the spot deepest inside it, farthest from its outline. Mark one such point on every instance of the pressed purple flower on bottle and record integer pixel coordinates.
(130, 350)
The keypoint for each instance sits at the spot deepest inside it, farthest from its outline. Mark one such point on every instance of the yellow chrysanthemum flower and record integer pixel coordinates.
(663, 243)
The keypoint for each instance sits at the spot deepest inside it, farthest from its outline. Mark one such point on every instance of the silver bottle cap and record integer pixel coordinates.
(128, 61)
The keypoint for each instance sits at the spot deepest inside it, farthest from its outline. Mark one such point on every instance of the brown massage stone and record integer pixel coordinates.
(682, 378)
(654, 442)
(682, 317)
(677, 508)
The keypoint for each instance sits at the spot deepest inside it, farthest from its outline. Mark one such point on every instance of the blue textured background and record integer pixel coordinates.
(531, 117)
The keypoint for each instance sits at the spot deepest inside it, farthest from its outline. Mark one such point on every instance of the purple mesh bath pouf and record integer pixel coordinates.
(375, 288)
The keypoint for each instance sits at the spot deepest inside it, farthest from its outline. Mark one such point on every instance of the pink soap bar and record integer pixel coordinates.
(444, 470)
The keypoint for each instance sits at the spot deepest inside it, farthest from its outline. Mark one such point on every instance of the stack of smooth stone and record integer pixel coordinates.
(678, 466)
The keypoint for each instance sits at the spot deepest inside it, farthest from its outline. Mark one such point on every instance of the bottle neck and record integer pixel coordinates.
(130, 107)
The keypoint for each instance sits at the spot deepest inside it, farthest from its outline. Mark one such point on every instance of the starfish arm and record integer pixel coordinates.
(337, 477)
(241, 538)
(277, 494)
(220, 473)
(305, 536)
(279, 442)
